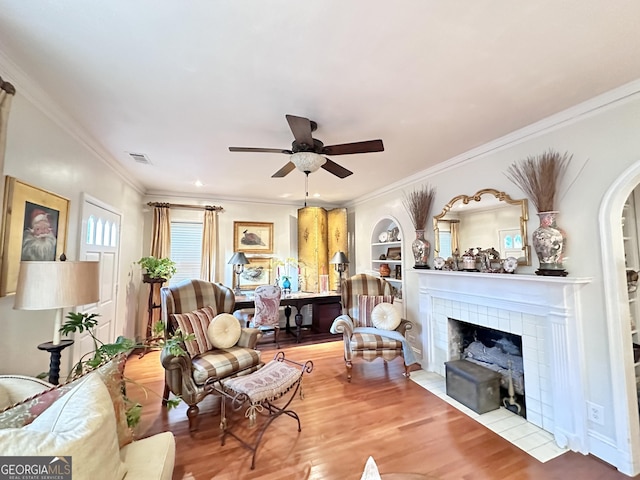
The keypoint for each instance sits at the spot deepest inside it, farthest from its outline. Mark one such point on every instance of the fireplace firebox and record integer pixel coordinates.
(495, 350)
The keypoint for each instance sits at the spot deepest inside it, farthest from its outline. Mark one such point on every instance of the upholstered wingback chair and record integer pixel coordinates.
(267, 310)
(360, 294)
(193, 306)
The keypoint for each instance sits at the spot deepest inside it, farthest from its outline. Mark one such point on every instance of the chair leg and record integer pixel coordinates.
(349, 367)
(165, 394)
(407, 370)
(192, 415)
(276, 332)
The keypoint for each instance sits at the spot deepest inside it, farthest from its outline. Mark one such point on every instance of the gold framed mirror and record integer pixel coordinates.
(487, 219)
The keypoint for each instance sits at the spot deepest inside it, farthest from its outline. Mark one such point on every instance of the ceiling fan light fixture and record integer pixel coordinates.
(307, 162)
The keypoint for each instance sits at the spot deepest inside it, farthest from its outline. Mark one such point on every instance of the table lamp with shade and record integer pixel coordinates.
(54, 286)
(341, 261)
(238, 260)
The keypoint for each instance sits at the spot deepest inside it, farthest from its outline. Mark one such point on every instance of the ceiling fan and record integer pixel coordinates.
(307, 153)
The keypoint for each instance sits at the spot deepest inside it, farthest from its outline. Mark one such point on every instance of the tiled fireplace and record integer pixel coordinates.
(544, 311)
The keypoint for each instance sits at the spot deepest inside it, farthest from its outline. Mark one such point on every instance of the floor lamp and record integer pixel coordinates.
(54, 286)
(239, 260)
(341, 261)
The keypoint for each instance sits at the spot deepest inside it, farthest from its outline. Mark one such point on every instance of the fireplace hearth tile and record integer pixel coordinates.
(508, 423)
(526, 436)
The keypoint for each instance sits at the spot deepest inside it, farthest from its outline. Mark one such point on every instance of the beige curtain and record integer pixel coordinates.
(161, 233)
(209, 245)
(455, 236)
(160, 248)
(7, 91)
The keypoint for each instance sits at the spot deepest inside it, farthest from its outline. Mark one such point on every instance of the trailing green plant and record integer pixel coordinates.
(103, 352)
(158, 267)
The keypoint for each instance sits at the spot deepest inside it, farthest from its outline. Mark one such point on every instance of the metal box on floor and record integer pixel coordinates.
(473, 385)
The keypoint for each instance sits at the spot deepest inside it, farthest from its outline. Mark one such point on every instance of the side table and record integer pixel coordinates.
(54, 363)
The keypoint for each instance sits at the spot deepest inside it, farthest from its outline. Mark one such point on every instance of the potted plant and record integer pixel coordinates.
(157, 269)
(104, 352)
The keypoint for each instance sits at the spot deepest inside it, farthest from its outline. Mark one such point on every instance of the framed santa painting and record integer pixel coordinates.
(34, 228)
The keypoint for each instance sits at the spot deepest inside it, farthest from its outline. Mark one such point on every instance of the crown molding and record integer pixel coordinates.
(32, 91)
(613, 98)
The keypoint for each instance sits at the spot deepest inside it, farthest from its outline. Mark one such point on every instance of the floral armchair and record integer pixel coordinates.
(221, 348)
(360, 294)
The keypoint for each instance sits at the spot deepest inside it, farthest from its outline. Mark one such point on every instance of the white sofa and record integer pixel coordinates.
(82, 423)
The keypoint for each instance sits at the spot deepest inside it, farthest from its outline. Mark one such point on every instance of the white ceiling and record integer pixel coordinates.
(181, 81)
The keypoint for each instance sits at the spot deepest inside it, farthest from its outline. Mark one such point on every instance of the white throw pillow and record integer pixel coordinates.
(371, 471)
(5, 398)
(385, 316)
(224, 331)
(80, 424)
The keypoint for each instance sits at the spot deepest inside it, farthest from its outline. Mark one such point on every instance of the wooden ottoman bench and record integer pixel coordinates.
(260, 389)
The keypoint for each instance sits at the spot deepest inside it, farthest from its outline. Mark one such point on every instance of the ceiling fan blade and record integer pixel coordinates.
(255, 149)
(338, 170)
(284, 170)
(356, 147)
(301, 129)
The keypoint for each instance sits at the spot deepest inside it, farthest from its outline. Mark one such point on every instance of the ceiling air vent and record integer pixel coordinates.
(140, 158)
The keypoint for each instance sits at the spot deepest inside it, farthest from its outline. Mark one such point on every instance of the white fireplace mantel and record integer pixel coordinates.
(553, 303)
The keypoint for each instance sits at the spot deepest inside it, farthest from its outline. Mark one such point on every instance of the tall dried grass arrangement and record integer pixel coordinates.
(539, 177)
(418, 203)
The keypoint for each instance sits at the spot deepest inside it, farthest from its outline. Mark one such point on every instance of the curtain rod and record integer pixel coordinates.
(182, 205)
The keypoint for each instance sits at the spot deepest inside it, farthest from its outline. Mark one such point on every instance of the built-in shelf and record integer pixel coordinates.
(629, 223)
(388, 229)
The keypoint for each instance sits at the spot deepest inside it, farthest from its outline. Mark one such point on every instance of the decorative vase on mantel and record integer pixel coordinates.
(549, 245)
(421, 249)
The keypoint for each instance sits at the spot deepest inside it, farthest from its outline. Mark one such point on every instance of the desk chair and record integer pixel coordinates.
(267, 310)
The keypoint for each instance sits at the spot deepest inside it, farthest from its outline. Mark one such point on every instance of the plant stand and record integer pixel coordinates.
(260, 389)
(154, 288)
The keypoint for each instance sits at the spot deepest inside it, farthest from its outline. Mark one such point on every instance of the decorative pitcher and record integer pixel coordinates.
(421, 249)
(549, 244)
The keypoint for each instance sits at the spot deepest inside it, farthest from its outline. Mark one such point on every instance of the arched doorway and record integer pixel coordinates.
(627, 420)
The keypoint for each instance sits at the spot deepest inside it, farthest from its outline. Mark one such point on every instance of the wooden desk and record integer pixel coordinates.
(297, 300)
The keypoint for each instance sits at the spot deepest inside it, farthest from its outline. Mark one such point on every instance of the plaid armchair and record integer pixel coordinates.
(360, 293)
(192, 305)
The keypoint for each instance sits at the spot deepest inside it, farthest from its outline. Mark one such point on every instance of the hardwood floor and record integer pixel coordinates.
(380, 413)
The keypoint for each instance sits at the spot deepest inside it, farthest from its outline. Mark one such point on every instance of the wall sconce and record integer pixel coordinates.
(54, 286)
(341, 261)
(239, 260)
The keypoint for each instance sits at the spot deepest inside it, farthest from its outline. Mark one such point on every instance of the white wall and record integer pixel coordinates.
(604, 143)
(44, 154)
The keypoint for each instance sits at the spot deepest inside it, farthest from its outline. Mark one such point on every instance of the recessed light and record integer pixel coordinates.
(316, 195)
(198, 183)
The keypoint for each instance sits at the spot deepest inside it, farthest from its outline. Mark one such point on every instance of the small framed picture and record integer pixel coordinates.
(394, 253)
(256, 273)
(253, 237)
(398, 272)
